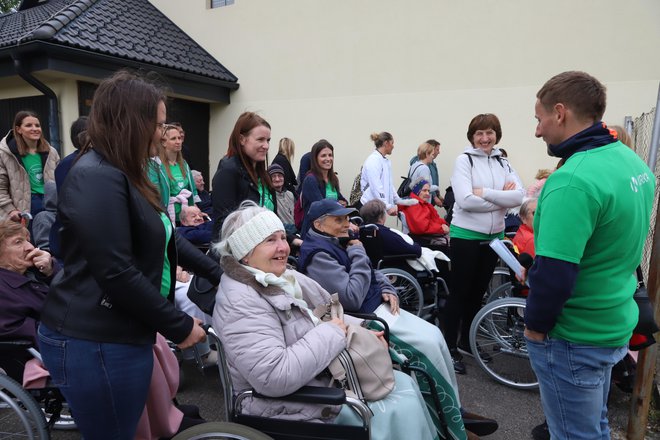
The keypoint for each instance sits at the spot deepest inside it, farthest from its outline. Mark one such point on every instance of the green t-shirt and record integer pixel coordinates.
(594, 211)
(331, 192)
(467, 234)
(266, 198)
(35, 171)
(177, 183)
(166, 280)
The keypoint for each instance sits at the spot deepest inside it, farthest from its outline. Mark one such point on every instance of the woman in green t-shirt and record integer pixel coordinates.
(321, 181)
(27, 161)
(179, 178)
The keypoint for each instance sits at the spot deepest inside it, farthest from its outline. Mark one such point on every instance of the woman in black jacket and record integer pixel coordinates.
(242, 173)
(120, 253)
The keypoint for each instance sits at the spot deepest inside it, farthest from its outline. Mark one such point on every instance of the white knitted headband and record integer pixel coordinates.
(256, 230)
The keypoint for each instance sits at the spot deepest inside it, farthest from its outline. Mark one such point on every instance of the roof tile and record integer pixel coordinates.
(130, 29)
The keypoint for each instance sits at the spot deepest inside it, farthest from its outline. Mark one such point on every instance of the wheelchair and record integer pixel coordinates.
(496, 338)
(30, 413)
(257, 428)
(247, 427)
(418, 290)
(502, 275)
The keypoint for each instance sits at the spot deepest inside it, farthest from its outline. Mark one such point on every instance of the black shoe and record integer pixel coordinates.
(465, 348)
(457, 360)
(477, 424)
(541, 432)
(191, 411)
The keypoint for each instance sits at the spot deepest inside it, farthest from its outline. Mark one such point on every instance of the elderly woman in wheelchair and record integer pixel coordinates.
(422, 220)
(340, 264)
(275, 345)
(25, 274)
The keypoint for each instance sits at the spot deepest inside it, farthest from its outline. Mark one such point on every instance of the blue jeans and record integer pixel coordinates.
(574, 380)
(105, 384)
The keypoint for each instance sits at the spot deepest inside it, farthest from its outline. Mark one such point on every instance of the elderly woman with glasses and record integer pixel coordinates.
(273, 341)
(25, 272)
(339, 263)
(422, 218)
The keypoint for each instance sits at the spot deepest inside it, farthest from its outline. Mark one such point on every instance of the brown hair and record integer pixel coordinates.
(162, 153)
(380, 138)
(287, 148)
(23, 149)
(485, 121)
(579, 91)
(121, 126)
(245, 123)
(433, 142)
(9, 229)
(315, 169)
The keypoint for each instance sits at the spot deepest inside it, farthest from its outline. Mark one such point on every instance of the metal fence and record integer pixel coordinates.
(641, 135)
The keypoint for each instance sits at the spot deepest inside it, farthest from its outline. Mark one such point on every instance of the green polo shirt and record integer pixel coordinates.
(594, 211)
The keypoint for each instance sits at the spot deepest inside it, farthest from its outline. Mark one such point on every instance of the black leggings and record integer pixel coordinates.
(472, 265)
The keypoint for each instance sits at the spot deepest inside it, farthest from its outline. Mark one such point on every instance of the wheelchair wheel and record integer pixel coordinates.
(411, 295)
(496, 335)
(221, 431)
(503, 291)
(20, 415)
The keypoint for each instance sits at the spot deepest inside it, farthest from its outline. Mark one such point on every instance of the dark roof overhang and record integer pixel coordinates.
(39, 55)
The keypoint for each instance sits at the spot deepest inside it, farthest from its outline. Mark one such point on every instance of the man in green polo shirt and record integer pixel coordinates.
(589, 230)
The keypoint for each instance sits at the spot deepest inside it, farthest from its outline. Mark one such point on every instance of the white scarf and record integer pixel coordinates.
(288, 283)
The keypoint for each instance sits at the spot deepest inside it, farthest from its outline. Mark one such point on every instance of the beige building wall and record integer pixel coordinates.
(420, 69)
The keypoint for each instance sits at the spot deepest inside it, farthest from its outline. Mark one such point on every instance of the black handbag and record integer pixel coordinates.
(202, 293)
(646, 324)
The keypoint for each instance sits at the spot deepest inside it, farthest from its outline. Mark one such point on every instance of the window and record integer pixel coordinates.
(220, 3)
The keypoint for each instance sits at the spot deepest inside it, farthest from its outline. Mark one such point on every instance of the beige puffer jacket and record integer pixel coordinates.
(272, 344)
(14, 181)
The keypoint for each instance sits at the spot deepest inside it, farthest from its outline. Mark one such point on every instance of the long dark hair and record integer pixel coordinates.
(23, 149)
(315, 169)
(121, 126)
(245, 123)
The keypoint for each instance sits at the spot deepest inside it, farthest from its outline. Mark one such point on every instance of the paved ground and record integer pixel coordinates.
(517, 411)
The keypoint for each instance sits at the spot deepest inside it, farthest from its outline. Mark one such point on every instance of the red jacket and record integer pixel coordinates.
(524, 240)
(423, 219)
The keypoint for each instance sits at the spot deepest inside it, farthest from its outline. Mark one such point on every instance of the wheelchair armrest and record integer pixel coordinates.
(400, 257)
(13, 345)
(309, 394)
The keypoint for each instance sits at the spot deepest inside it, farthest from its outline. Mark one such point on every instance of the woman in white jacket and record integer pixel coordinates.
(485, 186)
(273, 342)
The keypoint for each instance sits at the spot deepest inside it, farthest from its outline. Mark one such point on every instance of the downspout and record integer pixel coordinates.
(53, 104)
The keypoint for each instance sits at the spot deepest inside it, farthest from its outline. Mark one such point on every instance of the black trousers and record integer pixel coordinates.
(472, 265)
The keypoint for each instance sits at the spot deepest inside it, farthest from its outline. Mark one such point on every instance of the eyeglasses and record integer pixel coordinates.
(161, 125)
